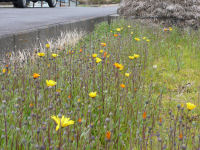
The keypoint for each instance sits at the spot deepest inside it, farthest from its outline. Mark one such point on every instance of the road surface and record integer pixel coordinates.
(15, 20)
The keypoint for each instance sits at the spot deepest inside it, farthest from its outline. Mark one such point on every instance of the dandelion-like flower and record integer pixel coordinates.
(62, 122)
(118, 29)
(136, 56)
(190, 106)
(4, 70)
(101, 51)
(94, 55)
(122, 85)
(147, 40)
(127, 74)
(131, 57)
(93, 94)
(41, 54)
(36, 75)
(119, 66)
(47, 45)
(103, 44)
(137, 39)
(98, 60)
(54, 55)
(50, 83)
(115, 35)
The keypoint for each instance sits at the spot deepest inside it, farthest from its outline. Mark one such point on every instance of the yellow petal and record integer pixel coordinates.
(57, 127)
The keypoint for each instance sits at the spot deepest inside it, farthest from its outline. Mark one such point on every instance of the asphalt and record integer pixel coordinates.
(15, 20)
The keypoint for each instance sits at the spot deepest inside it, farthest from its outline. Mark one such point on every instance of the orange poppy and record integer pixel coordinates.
(108, 135)
(144, 116)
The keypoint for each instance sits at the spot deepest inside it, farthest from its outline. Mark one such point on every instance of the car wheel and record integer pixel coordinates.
(22, 3)
(52, 3)
(15, 4)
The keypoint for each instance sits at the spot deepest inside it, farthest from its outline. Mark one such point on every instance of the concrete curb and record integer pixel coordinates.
(31, 39)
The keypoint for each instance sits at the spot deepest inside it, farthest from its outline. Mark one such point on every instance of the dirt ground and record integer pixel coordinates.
(179, 12)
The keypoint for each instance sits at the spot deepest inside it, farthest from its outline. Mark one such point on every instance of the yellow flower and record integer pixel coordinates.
(132, 33)
(137, 39)
(93, 94)
(54, 55)
(41, 54)
(170, 28)
(127, 74)
(148, 40)
(58, 90)
(94, 55)
(131, 57)
(101, 51)
(98, 60)
(190, 106)
(4, 70)
(62, 122)
(47, 45)
(50, 83)
(144, 38)
(136, 56)
(129, 26)
(111, 31)
(103, 44)
(118, 29)
(165, 29)
(36, 75)
(119, 66)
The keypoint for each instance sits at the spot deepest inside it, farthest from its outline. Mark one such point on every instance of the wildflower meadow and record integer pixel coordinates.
(127, 85)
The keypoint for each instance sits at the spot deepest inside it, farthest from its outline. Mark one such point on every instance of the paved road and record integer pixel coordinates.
(14, 20)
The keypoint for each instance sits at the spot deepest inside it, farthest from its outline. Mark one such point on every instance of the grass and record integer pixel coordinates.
(145, 110)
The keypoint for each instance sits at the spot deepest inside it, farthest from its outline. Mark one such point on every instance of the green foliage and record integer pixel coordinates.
(149, 113)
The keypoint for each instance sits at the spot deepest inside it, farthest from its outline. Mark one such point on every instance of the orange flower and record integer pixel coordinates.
(115, 35)
(160, 120)
(69, 96)
(108, 135)
(144, 116)
(180, 136)
(31, 105)
(103, 44)
(135, 89)
(119, 66)
(36, 75)
(122, 85)
(81, 50)
(105, 54)
(79, 120)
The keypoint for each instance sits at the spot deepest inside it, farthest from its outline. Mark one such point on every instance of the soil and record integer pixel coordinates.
(172, 12)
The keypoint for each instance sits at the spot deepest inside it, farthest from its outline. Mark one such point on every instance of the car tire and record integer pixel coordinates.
(52, 3)
(15, 4)
(22, 3)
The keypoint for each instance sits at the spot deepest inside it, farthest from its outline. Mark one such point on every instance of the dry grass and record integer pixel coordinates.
(66, 39)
